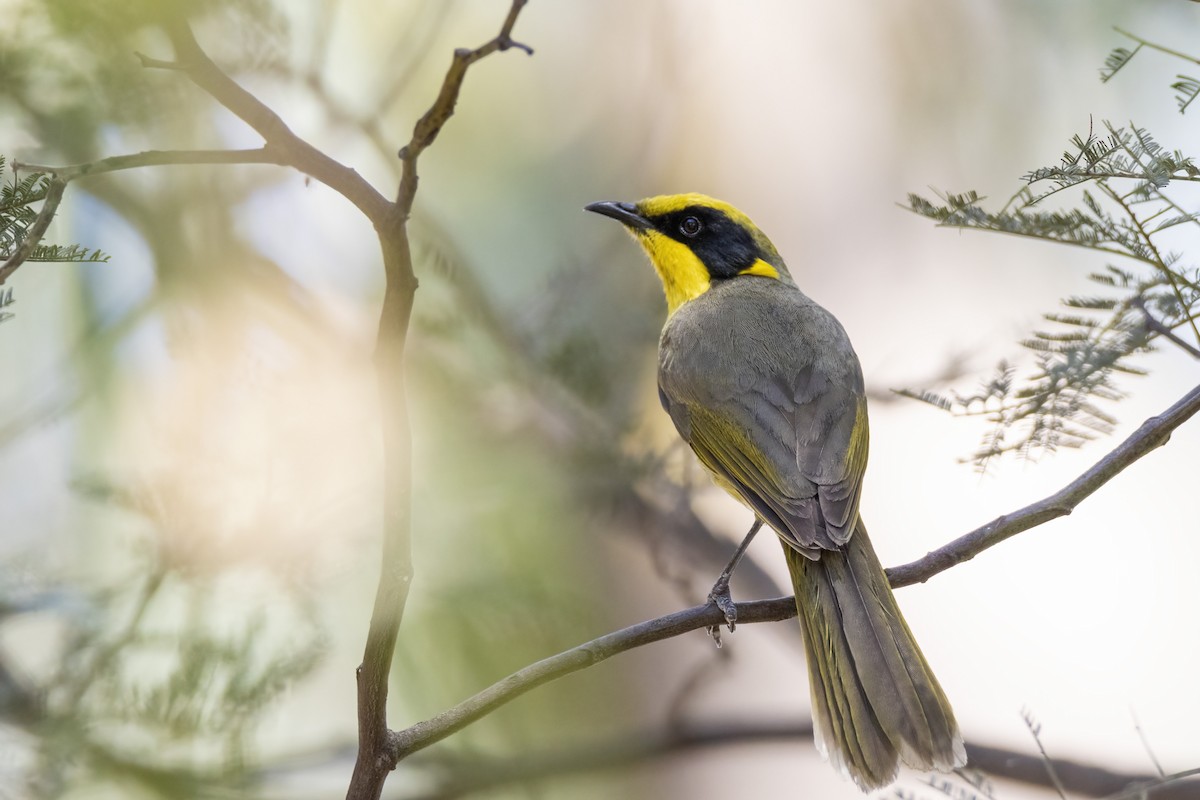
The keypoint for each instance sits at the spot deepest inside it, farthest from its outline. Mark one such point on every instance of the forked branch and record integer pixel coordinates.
(191, 59)
(376, 740)
(431, 123)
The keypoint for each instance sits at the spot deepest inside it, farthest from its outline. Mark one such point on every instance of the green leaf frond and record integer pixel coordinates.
(1089, 303)
(1187, 89)
(18, 195)
(1058, 403)
(71, 254)
(1125, 211)
(1116, 61)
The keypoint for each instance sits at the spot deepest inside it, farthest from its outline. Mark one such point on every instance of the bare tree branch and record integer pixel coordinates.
(585, 655)
(377, 744)
(455, 774)
(1153, 433)
(291, 149)
(1158, 47)
(155, 158)
(430, 125)
(33, 236)
(484, 773)
(65, 174)
(372, 765)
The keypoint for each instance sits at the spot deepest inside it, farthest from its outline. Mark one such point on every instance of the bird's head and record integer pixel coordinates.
(695, 241)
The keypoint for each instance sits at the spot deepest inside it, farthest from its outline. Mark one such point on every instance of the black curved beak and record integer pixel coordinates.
(625, 213)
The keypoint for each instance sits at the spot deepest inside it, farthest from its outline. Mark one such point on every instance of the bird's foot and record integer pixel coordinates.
(720, 597)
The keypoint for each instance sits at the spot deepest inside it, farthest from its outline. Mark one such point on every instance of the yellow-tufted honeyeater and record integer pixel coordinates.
(764, 385)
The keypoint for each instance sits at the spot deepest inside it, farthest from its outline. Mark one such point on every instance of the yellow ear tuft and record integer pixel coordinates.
(762, 268)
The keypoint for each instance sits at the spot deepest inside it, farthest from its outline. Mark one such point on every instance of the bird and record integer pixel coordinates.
(765, 386)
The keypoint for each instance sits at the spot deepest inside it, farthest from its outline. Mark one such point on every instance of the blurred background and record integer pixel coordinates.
(189, 457)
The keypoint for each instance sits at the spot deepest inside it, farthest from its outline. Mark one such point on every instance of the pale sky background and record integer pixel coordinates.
(815, 119)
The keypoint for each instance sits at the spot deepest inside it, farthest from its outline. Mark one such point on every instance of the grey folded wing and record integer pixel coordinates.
(794, 449)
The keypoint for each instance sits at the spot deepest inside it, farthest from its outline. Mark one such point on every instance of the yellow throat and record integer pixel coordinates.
(683, 273)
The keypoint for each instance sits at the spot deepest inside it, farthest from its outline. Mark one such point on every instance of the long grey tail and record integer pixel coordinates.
(875, 701)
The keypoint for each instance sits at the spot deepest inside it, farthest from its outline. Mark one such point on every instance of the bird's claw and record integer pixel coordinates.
(720, 597)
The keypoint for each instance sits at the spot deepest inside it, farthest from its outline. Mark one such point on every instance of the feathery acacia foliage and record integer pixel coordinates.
(1187, 87)
(1126, 211)
(17, 217)
(17, 198)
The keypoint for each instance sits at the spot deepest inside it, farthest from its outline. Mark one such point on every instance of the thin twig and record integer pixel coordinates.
(1157, 785)
(1185, 215)
(1035, 730)
(1157, 47)
(436, 728)
(430, 124)
(479, 773)
(1157, 259)
(291, 149)
(1137, 726)
(156, 158)
(1152, 433)
(1153, 324)
(455, 774)
(483, 773)
(35, 232)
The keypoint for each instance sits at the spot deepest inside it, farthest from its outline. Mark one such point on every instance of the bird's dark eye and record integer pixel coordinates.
(690, 226)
